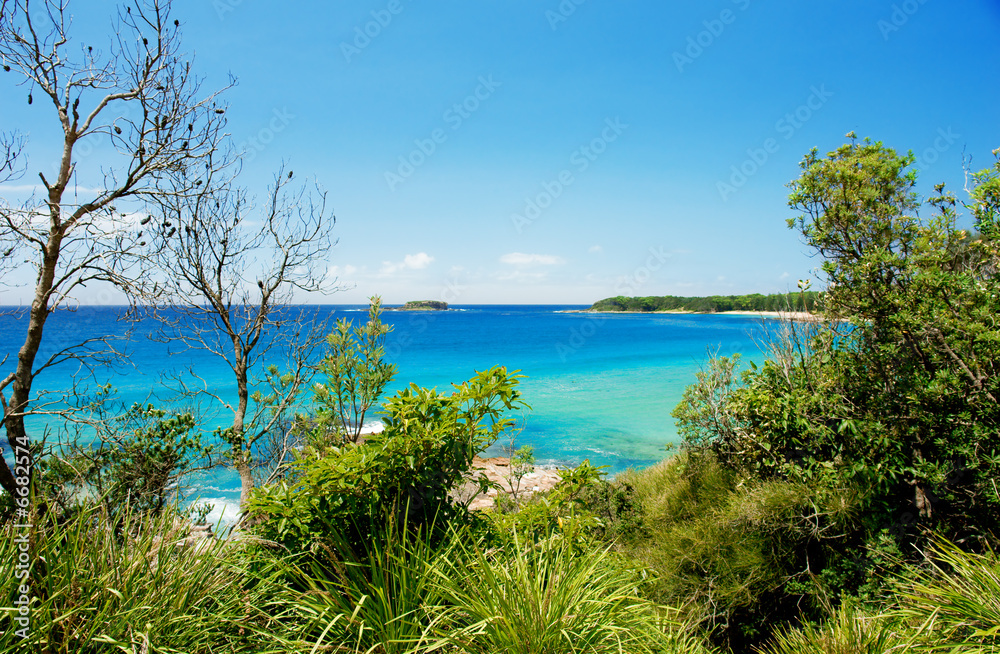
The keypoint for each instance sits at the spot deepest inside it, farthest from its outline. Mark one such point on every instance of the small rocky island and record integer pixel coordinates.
(422, 305)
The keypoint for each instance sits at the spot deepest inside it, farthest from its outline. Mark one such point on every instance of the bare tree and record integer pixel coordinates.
(234, 270)
(11, 145)
(141, 98)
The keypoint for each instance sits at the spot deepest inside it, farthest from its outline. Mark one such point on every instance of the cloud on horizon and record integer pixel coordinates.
(417, 261)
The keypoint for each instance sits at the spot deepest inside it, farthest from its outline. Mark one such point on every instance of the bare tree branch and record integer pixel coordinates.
(164, 135)
(235, 269)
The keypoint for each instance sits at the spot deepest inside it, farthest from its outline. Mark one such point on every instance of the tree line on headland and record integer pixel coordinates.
(802, 301)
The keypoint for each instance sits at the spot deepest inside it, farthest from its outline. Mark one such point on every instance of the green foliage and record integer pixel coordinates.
(138, 588)
(738, 554)
(583, 507)
(949, 604)
(955, 601)
(137, 464)
(803, 301)
(985, 199)
(702, 414)
(384, 600)
(547, 596)
(356, 374)
(522, 462)
(411, 467)
(413, 593)
(886, 420)
(919, 372)
(850, 631)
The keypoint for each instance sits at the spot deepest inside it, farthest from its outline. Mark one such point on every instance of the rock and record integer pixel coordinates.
(497, 471)
(421, 305)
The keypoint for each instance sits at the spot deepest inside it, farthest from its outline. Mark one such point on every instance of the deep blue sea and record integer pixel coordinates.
(601, 386)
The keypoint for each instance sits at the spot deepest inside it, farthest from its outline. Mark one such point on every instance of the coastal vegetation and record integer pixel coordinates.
(803, 301)
(841, 496)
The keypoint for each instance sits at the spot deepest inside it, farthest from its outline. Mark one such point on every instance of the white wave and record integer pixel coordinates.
(372, 427)
(224, 513)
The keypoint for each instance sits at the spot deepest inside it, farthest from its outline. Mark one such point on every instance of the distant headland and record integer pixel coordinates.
(421, 305)
(755, 303)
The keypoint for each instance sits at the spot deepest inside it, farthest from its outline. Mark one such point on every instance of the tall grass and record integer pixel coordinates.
(381, 601)
(734, 552)
(548, 597)
(955, 602)
(849, 631)
(951, 605)
(133, 586)
(408, 595)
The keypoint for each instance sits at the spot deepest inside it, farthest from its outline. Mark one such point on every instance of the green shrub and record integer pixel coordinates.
(410, 468)
(95, 588)
(887, 418)
(138, 463)
(582, 506)
(356, 376)
(735, 553)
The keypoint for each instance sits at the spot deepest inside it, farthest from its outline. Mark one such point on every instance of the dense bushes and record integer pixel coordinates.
(813, 506)
(805, 301)
(891, 411)
(741, 555)
(408, 470)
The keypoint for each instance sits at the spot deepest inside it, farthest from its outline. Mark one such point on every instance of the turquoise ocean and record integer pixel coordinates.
(601, 386)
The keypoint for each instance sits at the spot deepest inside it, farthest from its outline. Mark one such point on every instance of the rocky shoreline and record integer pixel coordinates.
(497, 470)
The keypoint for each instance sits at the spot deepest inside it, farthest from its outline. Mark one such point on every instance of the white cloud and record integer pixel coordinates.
(417, 261)
(521, 259)
(784, 275)
(337, 271)
(595, 249)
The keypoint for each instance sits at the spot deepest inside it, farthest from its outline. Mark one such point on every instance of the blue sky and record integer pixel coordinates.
(561, 152)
